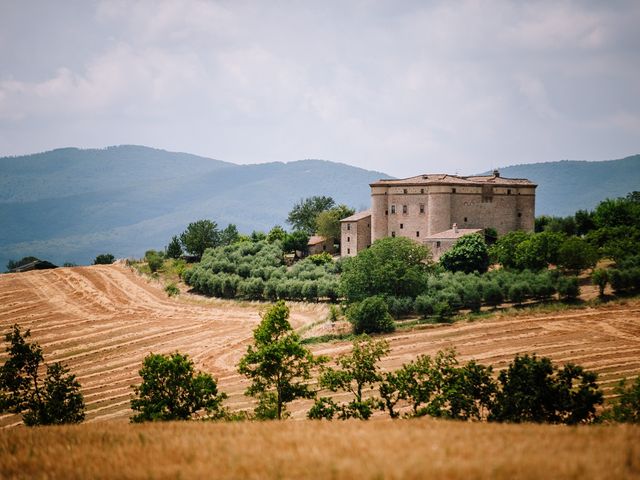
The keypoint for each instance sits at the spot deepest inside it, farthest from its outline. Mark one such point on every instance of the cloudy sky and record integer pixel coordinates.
(398, 86)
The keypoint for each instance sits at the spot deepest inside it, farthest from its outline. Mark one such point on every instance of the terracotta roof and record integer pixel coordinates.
(451, 233)
(357, 216)
(316, 239)
(446, 179)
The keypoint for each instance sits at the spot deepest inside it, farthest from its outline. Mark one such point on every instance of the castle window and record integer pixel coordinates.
(519, 214)
(453, 190)
(404, 209)
(422, 208)
(417, 234)
(422, 190)
(393, 209)
(393, 234)
(437, 244)
(404, 190)
(465, 219)
(386, 212)
(348, 239)
(508, 191)
(401, 226)
(348, 226)
(348, 251)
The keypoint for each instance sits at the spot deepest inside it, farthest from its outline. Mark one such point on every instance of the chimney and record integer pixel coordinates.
(455, 228)
(496, 173)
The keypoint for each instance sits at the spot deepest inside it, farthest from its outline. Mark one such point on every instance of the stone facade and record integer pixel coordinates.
(426, 205)
(318, 244)
(355, 233)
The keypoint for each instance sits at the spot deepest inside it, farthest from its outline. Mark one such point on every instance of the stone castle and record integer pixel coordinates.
(436, 210)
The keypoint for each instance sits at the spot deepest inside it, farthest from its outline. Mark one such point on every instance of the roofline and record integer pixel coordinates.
(410, 181)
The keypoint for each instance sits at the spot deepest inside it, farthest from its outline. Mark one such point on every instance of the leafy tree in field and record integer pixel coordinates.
(575, 255)
(504, 250)
(391, 266)
(535, 390)
(277, 233)
(328, 222)
(56, 401)
(278, 366)
(469, 254)
(626, 408)
(371, 316)
(615, 242)
(229, 235)
(584, 222)
(104, 259)
(199, 236)
(538, 251)
(600, 277)
(172, 390)
(303, 215)
(357, 371)
(440, 387)
(154, 259)
(296, 242)
(618, 212)
(174, 249)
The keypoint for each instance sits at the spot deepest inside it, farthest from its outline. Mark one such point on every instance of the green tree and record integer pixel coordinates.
(538, 251)
(600, 277)
(296, 242)
(391, 266)
(229, 235)
(618, 212)
(469, 254)
(357, 371)
(56, 401)
(199, 236)
(328, 222)
(277, 364)
(371, 316)
(504, 250)
(535, 390)
(104, 259)
(154, 259)
(575, 255)
(626, 407)
(174, 249)
(303, 215)
(277, 233)
(172, 390)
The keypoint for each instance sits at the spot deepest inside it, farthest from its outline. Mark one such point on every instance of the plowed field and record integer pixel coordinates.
(102, 320)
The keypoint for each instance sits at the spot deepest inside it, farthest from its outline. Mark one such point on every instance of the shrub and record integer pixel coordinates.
(104, 259)
(568, 288)
(600, 277)
(626, 407)
(492, 294)
(518, 292)
(370, 316)
(469, 254)
(172, 289)
(320, 258)
(399, 306)
(154, 260)
(425, 305)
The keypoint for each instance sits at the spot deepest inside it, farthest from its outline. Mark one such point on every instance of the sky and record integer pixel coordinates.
(401, 87)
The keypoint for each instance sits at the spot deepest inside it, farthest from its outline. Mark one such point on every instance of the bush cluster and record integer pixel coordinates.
(255, 271)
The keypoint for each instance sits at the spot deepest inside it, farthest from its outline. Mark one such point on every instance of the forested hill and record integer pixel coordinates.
(70, 204)
(569, 185)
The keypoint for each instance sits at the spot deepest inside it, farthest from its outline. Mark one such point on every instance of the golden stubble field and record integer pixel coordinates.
(103, 320)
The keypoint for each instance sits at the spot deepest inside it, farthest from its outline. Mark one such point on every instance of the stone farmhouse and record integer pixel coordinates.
(436, 210)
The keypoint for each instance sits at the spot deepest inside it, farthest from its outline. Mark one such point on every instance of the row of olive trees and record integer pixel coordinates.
(281, 370)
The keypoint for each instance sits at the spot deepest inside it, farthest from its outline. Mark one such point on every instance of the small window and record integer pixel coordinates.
(508, 191)
(324, 247)
(404, 190)
(368, 225)
(401, 226)
(386, 212)
(348, 251)
(393, 234)
(453, 190)
(422, 190)
(437, 244)
(465, 219)
(348, 239)
(404, 209)
(393, 209)
(422, 208)
(417, 234)
(519, 215)
(348, 226)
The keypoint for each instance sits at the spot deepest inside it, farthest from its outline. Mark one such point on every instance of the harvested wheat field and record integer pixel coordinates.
(377, 449)
(102, 320)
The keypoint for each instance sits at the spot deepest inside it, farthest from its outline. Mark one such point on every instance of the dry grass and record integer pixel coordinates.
(343, 450)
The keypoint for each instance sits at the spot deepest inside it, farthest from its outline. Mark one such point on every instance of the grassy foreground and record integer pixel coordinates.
(340, 450)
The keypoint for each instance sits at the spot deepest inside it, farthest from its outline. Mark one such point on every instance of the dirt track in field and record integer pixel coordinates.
(102, 320)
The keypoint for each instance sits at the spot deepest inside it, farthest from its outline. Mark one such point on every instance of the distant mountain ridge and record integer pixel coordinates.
(68, 205)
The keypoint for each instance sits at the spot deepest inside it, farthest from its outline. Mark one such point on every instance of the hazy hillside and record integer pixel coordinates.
(569, 185)
(71, 204)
